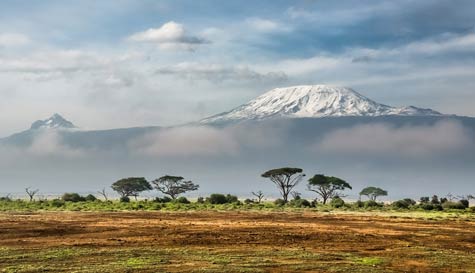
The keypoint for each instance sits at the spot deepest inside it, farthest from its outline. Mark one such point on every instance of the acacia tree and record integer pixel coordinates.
(173, 185)
(259, 195)
(327, 186)
(373, 192)
(131, 186)
(103, 193)
(285, 179)
(31, 193)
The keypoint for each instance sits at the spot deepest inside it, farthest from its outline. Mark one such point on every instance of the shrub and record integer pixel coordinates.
(465, 203)
(404, 203)
(72, 197)
(5, 198)
(57, 203)
(231, 198)
(200, 200)
(453, 205)
(427, 206)
(279, 202)
(90, 198)
(372, 204)
(299, 203)
(125, 199)
(182, 200)
(337, 202)
(359, 204)
(164, 199)
(248, 201)
(424, 199)
(217, 198)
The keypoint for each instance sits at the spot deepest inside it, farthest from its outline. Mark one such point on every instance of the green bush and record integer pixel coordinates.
(453, 205)
(164, 199)
(426, 206)
(404, 203)
(57, 203)
(217, 198)
(372, 204)
(90, 198)
(279, 202)
(359, 204)
(73, 197)
(182, 200)
(231, 199)
(248, 201)
(465, 203)
(337, 202)
(124, 199)
(299, 203)
(200, 200)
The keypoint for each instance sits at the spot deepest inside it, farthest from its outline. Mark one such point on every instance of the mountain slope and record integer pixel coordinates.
(56, 121)
(313, 101)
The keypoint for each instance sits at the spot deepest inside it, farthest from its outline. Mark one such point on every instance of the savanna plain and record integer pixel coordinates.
(214, 240)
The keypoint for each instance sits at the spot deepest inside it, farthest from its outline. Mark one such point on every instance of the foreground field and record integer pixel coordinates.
(234, 241)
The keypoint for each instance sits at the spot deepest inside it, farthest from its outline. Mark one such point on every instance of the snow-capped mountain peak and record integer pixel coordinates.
(313, 101)
(56, 121)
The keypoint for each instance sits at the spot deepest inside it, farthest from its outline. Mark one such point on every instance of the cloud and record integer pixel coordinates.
(221, 73)
(381, 140)
(265, 25)
(361, 59)
(49, 143)
(46, 144)
(186, 142)
(170, 35)
(340, 16)
(13, 39)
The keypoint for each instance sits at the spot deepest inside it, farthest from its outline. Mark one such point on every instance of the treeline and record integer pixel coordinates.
(328, 190)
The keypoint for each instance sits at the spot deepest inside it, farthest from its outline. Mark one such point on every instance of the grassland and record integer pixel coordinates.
(237, 240)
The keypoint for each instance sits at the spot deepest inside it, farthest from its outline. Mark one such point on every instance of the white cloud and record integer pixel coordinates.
(186, 142)
(339, 17)
(13, 39)
(48, 143)
(382, 140)
(170, 35)
(265, 25)
(220, 73)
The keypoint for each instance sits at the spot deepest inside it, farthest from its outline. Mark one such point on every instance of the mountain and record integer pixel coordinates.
(75, 138)
(56, 121)
(313, 101)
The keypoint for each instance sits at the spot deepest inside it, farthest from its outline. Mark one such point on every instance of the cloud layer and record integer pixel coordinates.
(170, 35)
(444, 139)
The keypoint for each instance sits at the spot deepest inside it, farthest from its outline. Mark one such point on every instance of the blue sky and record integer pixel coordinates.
(105, 64)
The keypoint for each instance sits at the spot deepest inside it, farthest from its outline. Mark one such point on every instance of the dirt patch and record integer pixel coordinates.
(208, 241)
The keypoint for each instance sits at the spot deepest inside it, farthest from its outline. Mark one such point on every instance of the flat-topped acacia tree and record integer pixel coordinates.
(131, 186)
(173, 185)
(373, 192)
(327, 187)
(285, 179)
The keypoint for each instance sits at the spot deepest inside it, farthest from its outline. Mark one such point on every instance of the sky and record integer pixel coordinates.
(131, 63)
(125, 63)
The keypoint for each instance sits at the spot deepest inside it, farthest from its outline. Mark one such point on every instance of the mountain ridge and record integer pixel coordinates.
(313, 101)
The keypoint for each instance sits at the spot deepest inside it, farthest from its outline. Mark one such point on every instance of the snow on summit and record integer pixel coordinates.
(56, 121)
(313, 101)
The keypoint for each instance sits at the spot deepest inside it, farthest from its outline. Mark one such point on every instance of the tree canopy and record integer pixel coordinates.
(173, 185)
(327, 186)
(131, 186)
(285, 179)
(373, 192)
